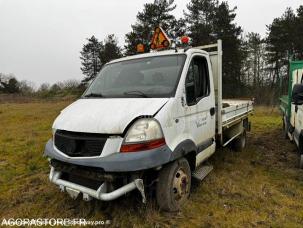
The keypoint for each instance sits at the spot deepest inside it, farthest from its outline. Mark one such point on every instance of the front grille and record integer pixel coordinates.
(93, 173)
(75, 144)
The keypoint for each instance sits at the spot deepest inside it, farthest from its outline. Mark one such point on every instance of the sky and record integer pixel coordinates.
(41, 40)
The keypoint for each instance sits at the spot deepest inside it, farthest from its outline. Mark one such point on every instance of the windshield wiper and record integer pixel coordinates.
(136, 92)
(94, 95)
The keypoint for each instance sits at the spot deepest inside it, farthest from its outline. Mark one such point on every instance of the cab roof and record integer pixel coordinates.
(160, 53)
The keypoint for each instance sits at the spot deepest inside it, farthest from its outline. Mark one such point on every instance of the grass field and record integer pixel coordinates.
(259, 187)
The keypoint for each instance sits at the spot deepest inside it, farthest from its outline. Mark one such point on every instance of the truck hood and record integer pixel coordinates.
(106, 116)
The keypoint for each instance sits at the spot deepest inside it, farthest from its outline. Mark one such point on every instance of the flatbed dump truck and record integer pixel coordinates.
(147, 121)
(291, 106)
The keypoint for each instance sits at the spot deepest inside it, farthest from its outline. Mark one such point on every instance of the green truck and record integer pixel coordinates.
(291, 106)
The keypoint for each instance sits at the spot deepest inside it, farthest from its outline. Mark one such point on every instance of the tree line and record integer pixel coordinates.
(253, 65)
(10, 85)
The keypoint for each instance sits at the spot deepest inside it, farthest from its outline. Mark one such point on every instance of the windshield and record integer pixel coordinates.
(146, 77)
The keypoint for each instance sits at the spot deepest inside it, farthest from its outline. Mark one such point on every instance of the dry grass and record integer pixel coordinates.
(261, 186)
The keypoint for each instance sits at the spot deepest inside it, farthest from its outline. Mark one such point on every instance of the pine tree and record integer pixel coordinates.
(281, 36)
(153, 15)
(178, 28)
(209, 20)
(281, 44)
(110, 49)
(9, 84)
(90, 59)
(200, 19)
(95, 54)
(233, 57)
(299, 33)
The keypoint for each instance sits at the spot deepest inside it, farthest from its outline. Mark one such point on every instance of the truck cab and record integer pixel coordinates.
(151, 119)
(292, 107)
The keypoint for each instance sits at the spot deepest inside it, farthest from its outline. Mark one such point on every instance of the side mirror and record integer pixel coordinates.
(297, 94)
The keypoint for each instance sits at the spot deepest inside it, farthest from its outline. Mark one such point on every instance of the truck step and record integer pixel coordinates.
(201, 172)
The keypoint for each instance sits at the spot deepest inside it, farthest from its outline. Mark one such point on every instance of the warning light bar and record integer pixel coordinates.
(160, 41)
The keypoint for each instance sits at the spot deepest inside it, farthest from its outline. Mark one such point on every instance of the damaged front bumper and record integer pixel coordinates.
(116, 162)
(101, 193)
(118, 169)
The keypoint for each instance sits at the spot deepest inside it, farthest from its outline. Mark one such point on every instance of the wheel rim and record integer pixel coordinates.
(180, 185)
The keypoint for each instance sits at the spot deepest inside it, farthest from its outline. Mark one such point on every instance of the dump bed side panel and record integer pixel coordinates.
(234, 110)
(284, 103)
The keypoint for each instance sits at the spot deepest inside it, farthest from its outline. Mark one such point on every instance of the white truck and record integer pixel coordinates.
(292, 107)
(149, 120)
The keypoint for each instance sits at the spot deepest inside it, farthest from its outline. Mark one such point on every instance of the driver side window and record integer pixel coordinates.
(197, 81)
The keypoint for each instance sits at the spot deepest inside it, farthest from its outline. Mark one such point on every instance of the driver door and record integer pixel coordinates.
(200, 103)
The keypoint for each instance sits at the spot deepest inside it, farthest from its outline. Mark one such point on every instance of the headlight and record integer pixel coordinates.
(144, 130)
(144, 134)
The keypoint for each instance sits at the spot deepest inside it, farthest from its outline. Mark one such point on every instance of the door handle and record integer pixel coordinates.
(212, 111)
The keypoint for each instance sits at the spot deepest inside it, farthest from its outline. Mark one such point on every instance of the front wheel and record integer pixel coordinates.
(173, 185)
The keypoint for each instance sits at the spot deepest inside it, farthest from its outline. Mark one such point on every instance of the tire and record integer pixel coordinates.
(301, 161)
(240, 143)
(285, 129)
(173, 187)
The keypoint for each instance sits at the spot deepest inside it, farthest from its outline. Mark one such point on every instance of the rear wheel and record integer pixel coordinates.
(240, 142)
(173, 185)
